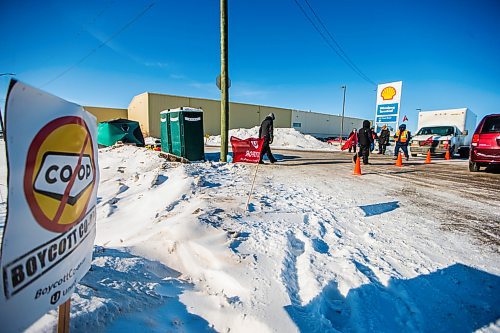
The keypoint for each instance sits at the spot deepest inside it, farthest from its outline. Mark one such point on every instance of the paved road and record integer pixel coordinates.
(445, 191)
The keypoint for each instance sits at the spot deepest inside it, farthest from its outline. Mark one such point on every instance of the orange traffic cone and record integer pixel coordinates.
(428, 159)
(357, 167)
(447, 155)
(399, 161)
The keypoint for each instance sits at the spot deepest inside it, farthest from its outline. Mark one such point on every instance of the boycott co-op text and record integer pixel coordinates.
(28, 268)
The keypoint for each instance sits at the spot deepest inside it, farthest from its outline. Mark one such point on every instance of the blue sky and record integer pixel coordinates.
(447, 53)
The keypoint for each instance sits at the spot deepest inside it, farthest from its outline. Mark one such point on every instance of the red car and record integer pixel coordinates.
(334, 140)
(485, 145)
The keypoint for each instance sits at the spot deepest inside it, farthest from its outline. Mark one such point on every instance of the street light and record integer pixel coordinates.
(342, 121)
(11, 74)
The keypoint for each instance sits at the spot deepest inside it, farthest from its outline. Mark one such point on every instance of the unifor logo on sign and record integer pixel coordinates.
(60, 173)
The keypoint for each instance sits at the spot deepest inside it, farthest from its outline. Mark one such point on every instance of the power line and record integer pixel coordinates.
(336, 43)
(338, 50)
(137, 17)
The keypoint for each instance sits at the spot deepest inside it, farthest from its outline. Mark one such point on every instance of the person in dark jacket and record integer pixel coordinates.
(402, 138)
(266, 131)
(365, 139)
(383, 139)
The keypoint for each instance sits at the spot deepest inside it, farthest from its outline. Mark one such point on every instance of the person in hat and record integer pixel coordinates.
(383, 139)
(402, 138)
(266, 131)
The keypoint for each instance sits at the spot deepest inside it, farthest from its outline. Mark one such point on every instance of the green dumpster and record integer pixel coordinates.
(186, 133)
(166, 142)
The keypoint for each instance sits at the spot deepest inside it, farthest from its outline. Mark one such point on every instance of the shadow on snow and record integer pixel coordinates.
(455, 299)
(380, 208)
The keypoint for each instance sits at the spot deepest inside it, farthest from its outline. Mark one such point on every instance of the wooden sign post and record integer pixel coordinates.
(64, 315)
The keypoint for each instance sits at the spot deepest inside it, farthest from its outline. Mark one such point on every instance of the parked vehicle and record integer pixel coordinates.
(333, 140)
(444, 130)
(485, 145)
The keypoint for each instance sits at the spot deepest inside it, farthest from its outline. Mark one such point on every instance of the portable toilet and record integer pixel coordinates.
(185, 126)
(166, 142)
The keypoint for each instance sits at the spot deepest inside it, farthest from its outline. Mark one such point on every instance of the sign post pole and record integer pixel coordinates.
(64, 317)
(251, 190)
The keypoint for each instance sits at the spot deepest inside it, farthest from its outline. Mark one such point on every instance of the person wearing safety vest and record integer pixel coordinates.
(402, 138)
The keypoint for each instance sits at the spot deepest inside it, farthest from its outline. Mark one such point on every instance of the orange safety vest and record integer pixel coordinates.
(401, 137)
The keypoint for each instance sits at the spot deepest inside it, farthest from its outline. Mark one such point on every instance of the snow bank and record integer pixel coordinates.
(284, 138)
(176, 250)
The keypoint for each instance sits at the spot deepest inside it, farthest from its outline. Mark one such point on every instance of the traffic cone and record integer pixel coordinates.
(357, 167)
(447, 155)
(428, 159)
(399, 161)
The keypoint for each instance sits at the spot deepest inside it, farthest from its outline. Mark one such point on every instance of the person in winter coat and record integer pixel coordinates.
(353, 137)
(266, 131)
(383, 139)
(365, 139)
(375, 137)
(402, 138)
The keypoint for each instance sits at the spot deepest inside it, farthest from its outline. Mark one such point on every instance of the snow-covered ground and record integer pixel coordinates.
(317, 250)
(284, 138)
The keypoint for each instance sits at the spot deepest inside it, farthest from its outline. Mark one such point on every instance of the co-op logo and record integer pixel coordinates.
(58, 169)
(60, 173)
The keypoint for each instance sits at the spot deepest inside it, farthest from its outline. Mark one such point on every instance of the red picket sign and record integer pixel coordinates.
(246, 150)
(347, 144)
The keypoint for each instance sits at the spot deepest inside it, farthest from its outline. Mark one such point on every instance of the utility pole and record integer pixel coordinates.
(224, 81)
(342, 121)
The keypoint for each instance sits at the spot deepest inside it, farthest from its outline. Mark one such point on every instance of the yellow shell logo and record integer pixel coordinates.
(388, 93)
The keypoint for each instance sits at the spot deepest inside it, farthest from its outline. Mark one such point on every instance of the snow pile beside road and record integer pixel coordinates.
(284, 138)
(177, 250)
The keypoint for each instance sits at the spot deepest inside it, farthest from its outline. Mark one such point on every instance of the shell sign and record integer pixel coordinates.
(388, 105)
(388, 93)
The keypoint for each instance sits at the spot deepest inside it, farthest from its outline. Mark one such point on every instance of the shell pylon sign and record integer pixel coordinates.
(388, 105)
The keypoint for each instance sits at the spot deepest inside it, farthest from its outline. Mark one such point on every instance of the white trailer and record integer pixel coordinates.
(450, 130)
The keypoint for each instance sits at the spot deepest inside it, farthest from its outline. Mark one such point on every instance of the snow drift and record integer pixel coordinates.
(284, 138)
